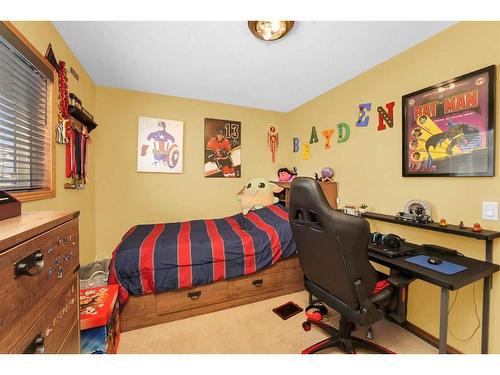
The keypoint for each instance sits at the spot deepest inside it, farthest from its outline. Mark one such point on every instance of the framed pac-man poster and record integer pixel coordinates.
(448, 128)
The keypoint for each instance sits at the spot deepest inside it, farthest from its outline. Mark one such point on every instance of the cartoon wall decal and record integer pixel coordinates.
(328, 135)
(314, 136)
(385, 116)
(296, 144)
(363, 118)
(306, 151)
(273, 141)
(160, 145)
(344, 132)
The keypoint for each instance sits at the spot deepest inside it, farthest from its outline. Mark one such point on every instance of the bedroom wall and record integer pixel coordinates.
(368, 165)
(125, 197)
(40, 34)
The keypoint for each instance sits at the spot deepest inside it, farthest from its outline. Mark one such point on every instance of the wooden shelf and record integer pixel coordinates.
(83, 117)
(484, 235)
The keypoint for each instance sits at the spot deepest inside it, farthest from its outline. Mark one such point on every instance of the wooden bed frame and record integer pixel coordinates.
(282, 278)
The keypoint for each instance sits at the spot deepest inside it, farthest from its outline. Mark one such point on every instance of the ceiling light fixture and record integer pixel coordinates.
(270, 30)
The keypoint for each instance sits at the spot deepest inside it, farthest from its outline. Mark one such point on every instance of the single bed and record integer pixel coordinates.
(157, 258)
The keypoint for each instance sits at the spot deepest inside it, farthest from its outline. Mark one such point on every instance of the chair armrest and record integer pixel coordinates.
(399, 280)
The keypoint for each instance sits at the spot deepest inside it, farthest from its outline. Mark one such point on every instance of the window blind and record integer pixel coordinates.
(24, 125)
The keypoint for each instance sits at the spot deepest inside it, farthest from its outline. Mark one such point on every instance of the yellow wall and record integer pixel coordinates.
(125, 197)
(40, 34)
(368, 165)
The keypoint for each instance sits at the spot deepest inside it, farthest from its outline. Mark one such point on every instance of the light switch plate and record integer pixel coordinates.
(490, 211)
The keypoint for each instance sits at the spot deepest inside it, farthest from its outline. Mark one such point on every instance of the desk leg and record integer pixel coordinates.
(486, 315)
(487, 285)
(443, 322)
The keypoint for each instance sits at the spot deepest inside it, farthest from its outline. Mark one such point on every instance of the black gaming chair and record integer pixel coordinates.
(333, 254)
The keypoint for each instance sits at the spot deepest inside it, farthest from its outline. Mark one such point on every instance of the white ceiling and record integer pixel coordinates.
(223, 62)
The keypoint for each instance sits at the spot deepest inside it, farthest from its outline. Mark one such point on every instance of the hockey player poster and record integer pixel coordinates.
(448, 129)
(160, 145)
(222, 148)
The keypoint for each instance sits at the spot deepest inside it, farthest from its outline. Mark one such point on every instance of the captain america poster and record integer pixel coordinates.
(222, 144)
(448, 129)
(160, 146)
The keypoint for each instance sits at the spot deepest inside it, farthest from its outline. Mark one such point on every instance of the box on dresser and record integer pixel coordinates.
(39, 289)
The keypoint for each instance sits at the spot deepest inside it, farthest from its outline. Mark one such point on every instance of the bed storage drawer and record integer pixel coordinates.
(293, 274)
(257, 284)
(30, 272)
(185, 299)
(47, 335)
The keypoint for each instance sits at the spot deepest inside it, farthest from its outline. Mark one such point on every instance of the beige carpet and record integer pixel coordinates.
(254, 328)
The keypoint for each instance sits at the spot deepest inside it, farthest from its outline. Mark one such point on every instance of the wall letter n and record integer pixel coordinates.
(387, 116)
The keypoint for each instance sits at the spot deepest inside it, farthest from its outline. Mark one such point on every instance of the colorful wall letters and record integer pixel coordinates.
(344, 132)
(314, 136)
(363, 118)
(387, 116)
(328, 135)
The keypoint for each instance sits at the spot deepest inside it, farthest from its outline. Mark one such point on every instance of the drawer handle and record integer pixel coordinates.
(24, 266)
(37, 346)
(194, 295)
(257, 283)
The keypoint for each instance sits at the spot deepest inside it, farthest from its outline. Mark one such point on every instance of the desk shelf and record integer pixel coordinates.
(485, 235)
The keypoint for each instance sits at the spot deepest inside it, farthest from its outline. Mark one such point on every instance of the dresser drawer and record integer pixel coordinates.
(259, 283)
(47, 335)
(30, 274)
(185, 299)
(72, 343)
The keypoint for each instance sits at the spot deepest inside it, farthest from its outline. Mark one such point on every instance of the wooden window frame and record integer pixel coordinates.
(37, 59)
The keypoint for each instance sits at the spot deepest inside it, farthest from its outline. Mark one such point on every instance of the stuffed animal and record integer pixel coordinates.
(258, 193)
(285, 174)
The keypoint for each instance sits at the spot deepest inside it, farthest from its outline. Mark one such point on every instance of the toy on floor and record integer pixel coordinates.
(258, 193)
(285, 174)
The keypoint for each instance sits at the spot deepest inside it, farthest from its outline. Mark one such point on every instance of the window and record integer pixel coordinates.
(26, 104)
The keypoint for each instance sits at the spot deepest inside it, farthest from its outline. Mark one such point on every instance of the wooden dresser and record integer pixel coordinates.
(39, 286)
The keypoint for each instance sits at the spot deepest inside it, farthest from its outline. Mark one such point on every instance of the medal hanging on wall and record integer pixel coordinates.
(73, 134)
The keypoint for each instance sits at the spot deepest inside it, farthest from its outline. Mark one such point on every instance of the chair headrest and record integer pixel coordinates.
(306, 192)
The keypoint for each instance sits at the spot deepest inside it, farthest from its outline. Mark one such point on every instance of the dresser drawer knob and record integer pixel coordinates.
(25, 265)
(257, 283)
(37, 346)
(194, 295)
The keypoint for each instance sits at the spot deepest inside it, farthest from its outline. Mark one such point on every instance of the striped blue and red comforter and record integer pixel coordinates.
(159, 257)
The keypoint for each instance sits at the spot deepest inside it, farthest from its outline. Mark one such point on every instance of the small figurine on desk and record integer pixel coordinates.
(477, 227)
(443, 222)
(362, 208)
(461, 225)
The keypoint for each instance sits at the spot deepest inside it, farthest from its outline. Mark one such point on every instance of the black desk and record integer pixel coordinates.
(476, 270)
(485, 235)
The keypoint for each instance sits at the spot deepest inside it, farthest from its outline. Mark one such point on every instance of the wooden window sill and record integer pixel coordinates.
(35, 195)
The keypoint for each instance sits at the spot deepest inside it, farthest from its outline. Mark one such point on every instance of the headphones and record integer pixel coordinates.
(318, 311)
(392, 241)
